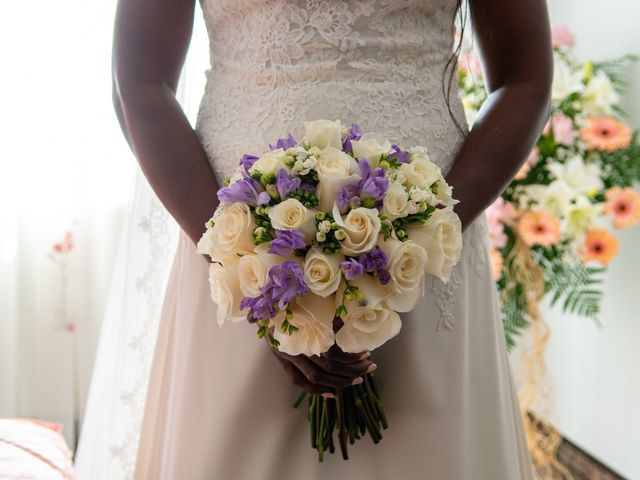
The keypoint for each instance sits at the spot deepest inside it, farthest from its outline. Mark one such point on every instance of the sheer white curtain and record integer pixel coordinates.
(65, 167)
(110, 433)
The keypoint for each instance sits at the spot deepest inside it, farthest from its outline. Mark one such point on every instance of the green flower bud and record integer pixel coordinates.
(340, 235)
(306, 144)
(401, 234)
(320, 216)
(272, 191)
(368, 203)
(384, 164)
(321, 237)
(335, 226)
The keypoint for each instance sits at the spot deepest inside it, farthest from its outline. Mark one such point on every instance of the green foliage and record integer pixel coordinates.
(622, 167)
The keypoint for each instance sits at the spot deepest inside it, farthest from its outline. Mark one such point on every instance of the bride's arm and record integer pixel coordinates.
(515, 46)
(150, 43)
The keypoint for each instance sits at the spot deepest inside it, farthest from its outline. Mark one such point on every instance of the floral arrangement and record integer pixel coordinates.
(323, 242)
(552, 222)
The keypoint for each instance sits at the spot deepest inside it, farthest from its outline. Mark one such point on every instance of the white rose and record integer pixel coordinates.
(232, 233)
(370, 146)
(441, 237)
(421, 173)
(270, 162)
(253, 273)
(394, 203)
(444, 194)
(419, 153)
(224, 284)
(293, 215)
(322, 271)
(370, 323)
(323, 133)
(406, 262)
(361, 227)
(599, 95)
(335, 170)
(313, 316)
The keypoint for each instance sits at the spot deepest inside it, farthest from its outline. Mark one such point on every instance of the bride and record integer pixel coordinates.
(219, 402)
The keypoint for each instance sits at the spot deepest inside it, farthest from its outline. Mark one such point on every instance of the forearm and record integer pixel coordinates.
(169, 153)
(502, 137)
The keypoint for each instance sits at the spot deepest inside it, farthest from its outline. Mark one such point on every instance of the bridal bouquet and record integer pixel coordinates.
(579, 178)
(323, 242)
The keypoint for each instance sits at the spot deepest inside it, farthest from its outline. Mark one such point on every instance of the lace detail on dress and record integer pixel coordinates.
(277, 63)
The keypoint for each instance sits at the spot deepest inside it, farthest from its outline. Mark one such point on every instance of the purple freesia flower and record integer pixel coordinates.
(286, 242)
(247, 161)
(373, 260)
(372, 185)
(285, 183)
(285, 282)
(245, 190)
(351, 268)
(401, 155)
(354, 133)
(284, 143)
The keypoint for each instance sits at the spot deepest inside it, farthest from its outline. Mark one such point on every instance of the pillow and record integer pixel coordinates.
(33, 449)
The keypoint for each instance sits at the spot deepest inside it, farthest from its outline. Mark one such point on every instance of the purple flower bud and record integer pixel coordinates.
(354, 133)
(284, 143)
(401, 155)
(351, 268)
(373, 260)
(247, 161)
(245, 190)
(286, 242)
(285, 183)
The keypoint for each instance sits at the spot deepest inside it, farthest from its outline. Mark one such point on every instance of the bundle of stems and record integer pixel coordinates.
(355, 411)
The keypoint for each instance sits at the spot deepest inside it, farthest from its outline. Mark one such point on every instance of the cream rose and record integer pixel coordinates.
(293, 215)
(335, 170)
(370, 323)
(322, 271)
(395, 201)
(421, 173)
(441, 237)
(323, 133)
(406, 263)
(270, 162)
(231, 234)
(313, 316)
(361, 227)
(225, 291)
(370, 146)
(253, 273)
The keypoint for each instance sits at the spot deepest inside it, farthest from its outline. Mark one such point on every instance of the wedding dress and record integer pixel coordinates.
(219, 405)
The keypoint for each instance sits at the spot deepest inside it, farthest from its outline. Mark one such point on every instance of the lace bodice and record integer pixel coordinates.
(277, 63)
(379, 63)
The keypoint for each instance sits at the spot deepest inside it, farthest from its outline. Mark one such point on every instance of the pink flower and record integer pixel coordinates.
(623, 204)
(66, 245)
(562, 127)
(498, 214)
(539, 228)
(562, 36)
(606, 133)
(469, 62)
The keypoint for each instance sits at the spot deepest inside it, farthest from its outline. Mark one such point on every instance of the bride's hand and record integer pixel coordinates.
(322, 374)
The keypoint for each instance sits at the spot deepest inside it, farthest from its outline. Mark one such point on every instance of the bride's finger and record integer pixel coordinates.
(335, 354)
(317, 376)
(301, 381)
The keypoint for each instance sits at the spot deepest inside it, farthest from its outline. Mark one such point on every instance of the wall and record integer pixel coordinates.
(596, 369)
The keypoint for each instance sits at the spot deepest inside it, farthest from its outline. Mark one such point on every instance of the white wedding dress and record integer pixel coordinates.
(219, 405)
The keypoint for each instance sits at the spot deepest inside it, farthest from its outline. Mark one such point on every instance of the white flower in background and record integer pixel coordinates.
(271, 162)
(395, 201)
(470, 111)
(555, 198)
(599, 95)
(224, 284)
(581, 215)
(406, 266)
(335, 170)
(291, 214)
(253, 273)
(361, 227)
(441, 237)
(231, 234)
(370, 323)
(421, 173)
(322, 271)
(313, 316)
(323, 133)
(565, 81)
(370, 146)
(580, 176)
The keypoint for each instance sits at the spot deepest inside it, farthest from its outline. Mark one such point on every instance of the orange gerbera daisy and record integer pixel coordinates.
(539, 228)
(623, 204)
(605, 133)
(497, 263)
(599, 246)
